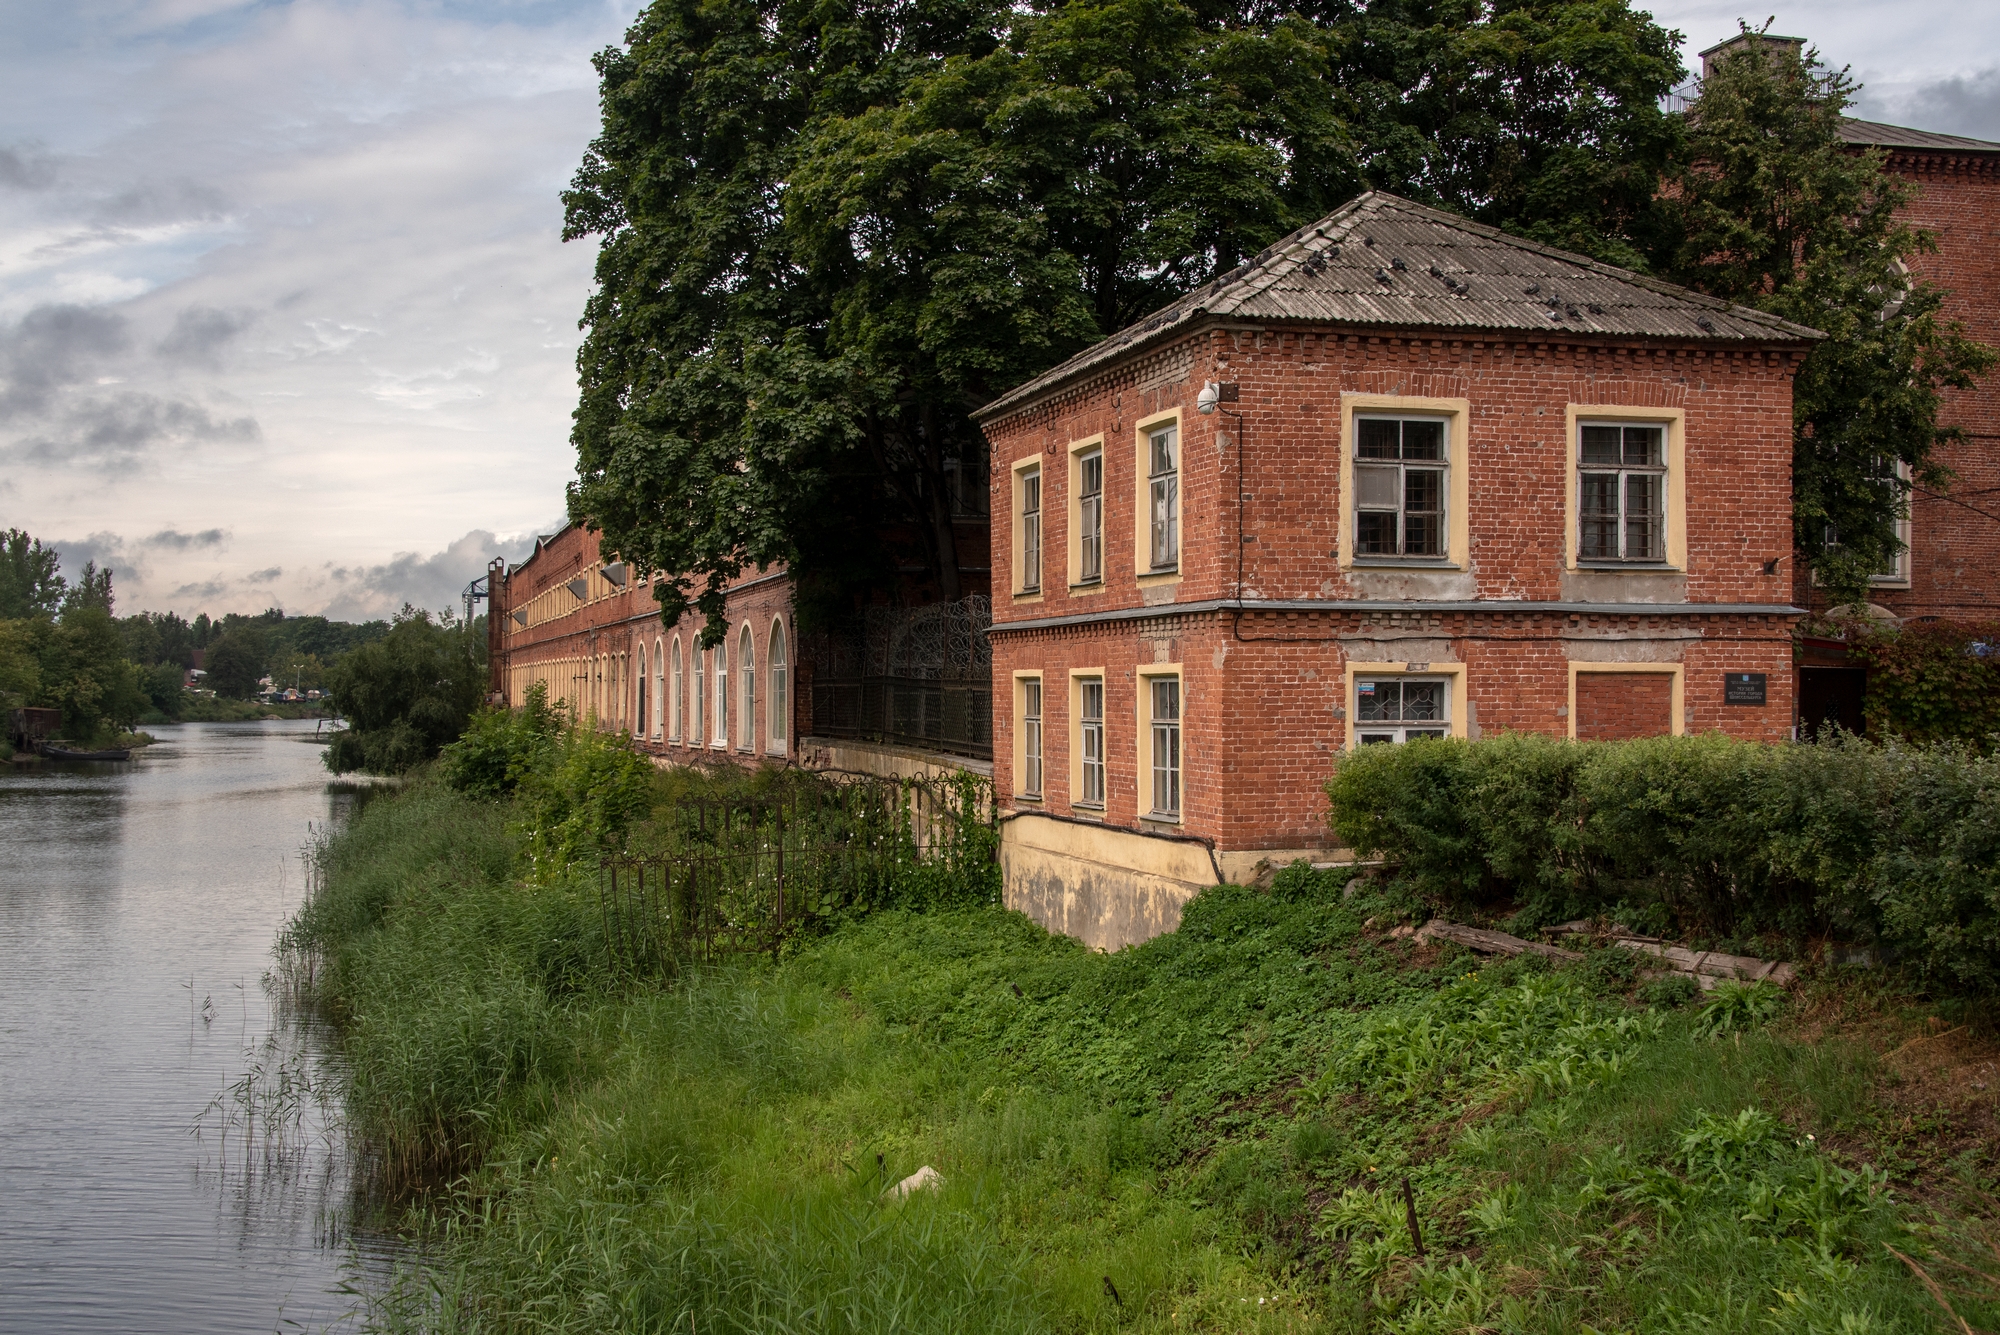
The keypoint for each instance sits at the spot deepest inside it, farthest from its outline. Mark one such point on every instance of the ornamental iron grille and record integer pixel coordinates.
(917, 676)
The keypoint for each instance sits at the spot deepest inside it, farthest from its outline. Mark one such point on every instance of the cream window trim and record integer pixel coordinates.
(1022, 793)
(778, 699)
(1077, 678)
(1457, 414)
(1072, 515)
(1676, 709)
(1142, 498)
(676, 704)
(1143, 708)
(1675, 421)
(1454, 672)
(746, 689)
(1018, 584)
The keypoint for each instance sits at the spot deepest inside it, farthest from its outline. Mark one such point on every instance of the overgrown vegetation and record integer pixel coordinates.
(1931, 681)
(1883, 844)
(407, 695)
(1210, 1131)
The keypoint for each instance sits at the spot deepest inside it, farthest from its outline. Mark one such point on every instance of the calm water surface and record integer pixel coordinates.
(138, 906)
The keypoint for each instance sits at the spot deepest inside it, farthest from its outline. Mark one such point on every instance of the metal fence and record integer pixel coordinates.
(919, 676)
(747, 872)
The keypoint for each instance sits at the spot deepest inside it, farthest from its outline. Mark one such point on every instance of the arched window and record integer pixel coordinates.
(778, 708)
(718, 727)
(645, 680)
(675, 702)
(659, 691)
(697, 697)
(746, 712)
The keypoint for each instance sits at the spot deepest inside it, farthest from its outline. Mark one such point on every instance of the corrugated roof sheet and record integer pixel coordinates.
(1874, 134)
(1384, 261)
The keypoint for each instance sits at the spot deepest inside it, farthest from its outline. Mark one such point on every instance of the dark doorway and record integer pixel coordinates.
(1830, 695)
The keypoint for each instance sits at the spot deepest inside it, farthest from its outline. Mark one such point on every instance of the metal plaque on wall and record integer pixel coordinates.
(1743, 688)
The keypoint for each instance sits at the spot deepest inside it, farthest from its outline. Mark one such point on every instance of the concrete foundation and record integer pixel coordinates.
(1107, 888)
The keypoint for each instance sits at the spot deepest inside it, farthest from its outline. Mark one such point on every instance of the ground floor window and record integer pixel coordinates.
(1031, 737)
(1090, 741)
(1396, 709)
(1163, 697)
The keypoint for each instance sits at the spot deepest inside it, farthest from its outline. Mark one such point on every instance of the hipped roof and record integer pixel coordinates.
(1385, 262)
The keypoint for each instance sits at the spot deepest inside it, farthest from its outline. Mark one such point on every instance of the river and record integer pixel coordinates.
(138, 907)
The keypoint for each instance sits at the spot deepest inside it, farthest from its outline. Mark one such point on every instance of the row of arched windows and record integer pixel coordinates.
(690, 695)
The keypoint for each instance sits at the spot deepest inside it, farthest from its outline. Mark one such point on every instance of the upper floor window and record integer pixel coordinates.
(1399, 486)
(1621, 493)
(1163, 482)
(1395, 709)
(1031, 529)
(1090, 517)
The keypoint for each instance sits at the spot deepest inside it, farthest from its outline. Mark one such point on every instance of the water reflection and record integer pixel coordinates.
(138, 905)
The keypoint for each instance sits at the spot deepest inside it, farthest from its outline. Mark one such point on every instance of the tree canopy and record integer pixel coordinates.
(407, 694)
(827, 232)
(1768, 206)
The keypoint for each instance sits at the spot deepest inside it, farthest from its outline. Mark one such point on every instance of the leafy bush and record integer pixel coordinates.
(501, 748)
(1888, 843)
(1933, 681)
(583, 801)
(406, 695)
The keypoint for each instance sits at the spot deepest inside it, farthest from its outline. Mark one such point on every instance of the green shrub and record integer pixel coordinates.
(1933, 681)
(501, 748)
(1888, 843)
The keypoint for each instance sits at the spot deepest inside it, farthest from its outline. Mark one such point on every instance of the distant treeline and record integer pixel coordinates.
(62, 647)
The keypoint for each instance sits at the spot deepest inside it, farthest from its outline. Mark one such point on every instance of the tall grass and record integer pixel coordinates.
(1205, 1132)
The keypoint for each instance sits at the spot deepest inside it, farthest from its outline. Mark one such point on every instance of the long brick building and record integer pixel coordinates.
(1455, 482)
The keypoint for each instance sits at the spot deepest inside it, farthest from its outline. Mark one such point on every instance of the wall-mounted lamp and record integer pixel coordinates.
(1213, 393)
(1771, 566)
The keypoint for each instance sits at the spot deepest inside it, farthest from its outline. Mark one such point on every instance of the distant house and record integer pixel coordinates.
(1400, 476)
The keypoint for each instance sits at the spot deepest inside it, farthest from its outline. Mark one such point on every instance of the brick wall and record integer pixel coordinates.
(1617, 706)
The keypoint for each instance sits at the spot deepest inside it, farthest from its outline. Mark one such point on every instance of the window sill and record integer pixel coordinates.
(1085, 811)
(1085, 590)
(1165, 575)
(1884, 582)
(1028, 596)
(1156, 818)
(1036, 798)
(1628, 567)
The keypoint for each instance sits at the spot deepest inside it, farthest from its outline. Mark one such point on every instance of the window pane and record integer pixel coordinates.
(1376, 487)
(1031, 551)
(1423, 495)
(1375, 534)
(1423, 440)
(1642, 446)
(1601, 445)
(1421, 700)
(1091, 475)
(1163, 452)
(1376, 738)
(1166, 699)
(1409, 733)
(1597, 527)
(1378, 700)
(1378, 438)
(1422, 536)
(1423, 490)
(1642, 516)
(1166, 538)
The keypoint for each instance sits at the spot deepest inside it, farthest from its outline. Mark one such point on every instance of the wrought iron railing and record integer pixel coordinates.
(744, 875)
(954, 717)
(918, 676)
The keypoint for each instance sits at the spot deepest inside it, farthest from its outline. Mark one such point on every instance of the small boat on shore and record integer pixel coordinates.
(54, 752)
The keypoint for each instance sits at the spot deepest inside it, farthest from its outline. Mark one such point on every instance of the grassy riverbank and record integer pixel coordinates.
(1206, 1132)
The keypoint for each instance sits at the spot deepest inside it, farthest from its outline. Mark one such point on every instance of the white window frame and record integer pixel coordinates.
(1367, 468)
(719, 725)
(1624, 472)
(1030, 736)
(1030, 531)
(659, 689)
(1090, 770)
(676, 706)
(1086, 516)
(778, 704)
(746, 689)
(1898, 574)
(1673, 524)
(1162, 744)
(1159, 538)
(1453, 698)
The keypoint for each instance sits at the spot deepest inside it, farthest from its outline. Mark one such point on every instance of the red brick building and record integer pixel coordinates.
(587, 628)
(1456, 483)
(1953, 534)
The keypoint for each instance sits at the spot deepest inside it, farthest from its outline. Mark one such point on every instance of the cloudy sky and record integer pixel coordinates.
(284, 313)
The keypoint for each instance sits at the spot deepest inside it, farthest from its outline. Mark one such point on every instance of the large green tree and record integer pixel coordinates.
(31, 583)
(1770, 208)
(828, 231)
(408, 694)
